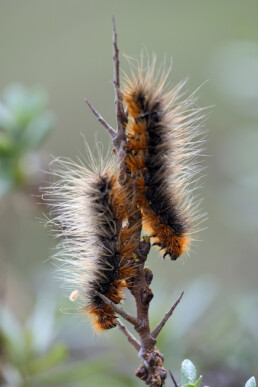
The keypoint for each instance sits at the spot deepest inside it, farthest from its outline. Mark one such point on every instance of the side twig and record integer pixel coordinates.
(109, 128)
(127, 316)
(173, 379)
(130, 337)
(161, 324)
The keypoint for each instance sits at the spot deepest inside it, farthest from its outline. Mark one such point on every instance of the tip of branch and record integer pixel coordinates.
(89, 104)
(91, 108)
(114, 22)
(161, 324)
(110, 130)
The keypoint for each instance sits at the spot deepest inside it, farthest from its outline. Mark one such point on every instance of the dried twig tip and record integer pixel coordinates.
(161, 324)
(110, 130)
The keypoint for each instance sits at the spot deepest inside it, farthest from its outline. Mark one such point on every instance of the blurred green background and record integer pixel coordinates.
(65, 48)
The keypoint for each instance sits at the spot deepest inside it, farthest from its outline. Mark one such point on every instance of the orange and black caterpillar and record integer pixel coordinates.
(161, 155)
(88, 208)
(110, 280)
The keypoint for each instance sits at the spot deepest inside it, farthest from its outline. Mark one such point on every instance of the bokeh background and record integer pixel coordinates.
(65, 48)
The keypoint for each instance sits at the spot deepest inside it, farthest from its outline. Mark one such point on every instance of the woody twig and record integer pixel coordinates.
(151, 371)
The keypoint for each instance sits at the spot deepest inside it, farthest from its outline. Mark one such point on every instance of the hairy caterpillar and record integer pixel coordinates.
(163, 142)
(88, 208)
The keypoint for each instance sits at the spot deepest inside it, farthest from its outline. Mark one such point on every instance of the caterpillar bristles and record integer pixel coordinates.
(88, 208)
(163, 144)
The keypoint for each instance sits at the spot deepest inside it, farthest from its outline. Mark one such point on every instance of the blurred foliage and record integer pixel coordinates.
(27, 350)
(30, 356)
(25, 122)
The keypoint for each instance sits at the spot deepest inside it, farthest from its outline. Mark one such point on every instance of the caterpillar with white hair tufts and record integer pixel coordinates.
(87, 209)
(163, 145)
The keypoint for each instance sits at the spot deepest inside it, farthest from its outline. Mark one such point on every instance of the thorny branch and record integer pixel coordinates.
(151, 371)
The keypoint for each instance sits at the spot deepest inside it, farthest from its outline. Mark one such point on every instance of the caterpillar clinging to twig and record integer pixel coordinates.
(99, 213)
(163, 142)
(88, 208)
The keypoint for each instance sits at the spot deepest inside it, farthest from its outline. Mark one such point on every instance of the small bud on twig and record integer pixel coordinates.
(146, 295)
(148, 275)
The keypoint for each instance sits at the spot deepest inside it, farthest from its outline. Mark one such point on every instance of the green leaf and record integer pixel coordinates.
(22, 106)
(251, 382)
(6, 118)
(6, 145)
(188, 372)
(37, 130)
(24, 102)
(198, 382)
(55, 356)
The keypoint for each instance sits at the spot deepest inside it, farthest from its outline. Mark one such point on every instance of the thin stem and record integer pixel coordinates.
(130, 337)
(161, 324)
(173, 379)
(127, 316)
(109, 128)
(120, 113)
(116, 57)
